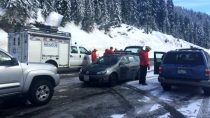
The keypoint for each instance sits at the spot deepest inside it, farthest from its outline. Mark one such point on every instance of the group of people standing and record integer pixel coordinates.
(144, 61)
(107, 51)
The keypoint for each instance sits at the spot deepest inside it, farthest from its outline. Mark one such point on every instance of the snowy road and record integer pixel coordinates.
(73, 99)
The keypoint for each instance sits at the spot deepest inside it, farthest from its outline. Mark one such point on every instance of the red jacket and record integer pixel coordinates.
(93, 55)
(144, 60)
(110, 52)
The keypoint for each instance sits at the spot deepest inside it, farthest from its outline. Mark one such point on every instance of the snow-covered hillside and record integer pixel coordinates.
(119, 37)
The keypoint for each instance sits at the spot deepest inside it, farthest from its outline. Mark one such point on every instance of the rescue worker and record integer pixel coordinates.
(110, 51)
(144, 64)
(93, 55)
(105, 53)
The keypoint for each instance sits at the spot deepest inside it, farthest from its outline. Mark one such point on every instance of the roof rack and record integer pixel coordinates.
(46, 29)
(190, 49)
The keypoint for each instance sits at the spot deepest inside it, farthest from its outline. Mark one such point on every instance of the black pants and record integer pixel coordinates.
(143, 74)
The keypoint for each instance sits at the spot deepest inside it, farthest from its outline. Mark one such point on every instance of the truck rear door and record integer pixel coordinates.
(63, 54)
(158, 58)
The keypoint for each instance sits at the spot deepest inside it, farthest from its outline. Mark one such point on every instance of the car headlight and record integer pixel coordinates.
(56, 69)
(102, 72)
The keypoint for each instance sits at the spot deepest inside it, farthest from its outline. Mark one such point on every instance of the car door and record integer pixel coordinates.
(85, 56)
(11, 78)
(133, 67)
(124, 68)
(158, 58)
(74, 57)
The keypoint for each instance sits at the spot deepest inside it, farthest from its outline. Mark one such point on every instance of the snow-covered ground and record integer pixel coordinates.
(118, 37)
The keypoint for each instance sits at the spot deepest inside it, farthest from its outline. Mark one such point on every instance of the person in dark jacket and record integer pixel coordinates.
(93, 55)
(144, 64)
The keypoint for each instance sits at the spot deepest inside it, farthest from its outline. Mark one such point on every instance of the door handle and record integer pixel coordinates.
(71, 56)
(80, 56)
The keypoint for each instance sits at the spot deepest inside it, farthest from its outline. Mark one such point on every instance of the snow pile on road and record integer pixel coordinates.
(118, 37)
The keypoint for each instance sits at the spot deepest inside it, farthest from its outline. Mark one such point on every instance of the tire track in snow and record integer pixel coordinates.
(155, 100)
(204, 111)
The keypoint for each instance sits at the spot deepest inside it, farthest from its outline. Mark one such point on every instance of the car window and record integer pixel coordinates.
(131, 59)
(188, 58)
(74, 49)
(133, 50)
(107, 60)
(124, 60)
(4, 59)
(83, 50)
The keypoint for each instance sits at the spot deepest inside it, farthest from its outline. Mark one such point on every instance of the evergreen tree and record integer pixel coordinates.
(125, 11)
(114, 10)
(145, 15)
(105, 18)
(48, 7)
(154, 15)
(186, 28)
(191, 38)
(133, 16)
(200, 36)
(77, 10)
(162, 15)
(63, 7)
(170, 7)
(176, 24)
(87, 22)
(97, 5)
(195, 37)
(206, 28)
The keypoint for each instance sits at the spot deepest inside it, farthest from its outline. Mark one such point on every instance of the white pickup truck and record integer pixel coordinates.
(46, 45)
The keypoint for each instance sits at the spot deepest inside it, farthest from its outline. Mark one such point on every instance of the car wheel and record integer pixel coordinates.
(206, 91)
(112, 80)
(41, 93)
(138, 75)
(166, 87)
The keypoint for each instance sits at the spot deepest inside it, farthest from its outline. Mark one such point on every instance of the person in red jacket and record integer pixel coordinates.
(110, 51)
(93, 55)
(144, 64)
(105, 53)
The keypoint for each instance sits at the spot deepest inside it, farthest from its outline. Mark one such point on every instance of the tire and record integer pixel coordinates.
(41, 86)
(138, 75)
(166, 87)
(206, 91)
(113, 80)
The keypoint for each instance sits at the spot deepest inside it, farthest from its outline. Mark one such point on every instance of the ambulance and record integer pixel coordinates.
(46, 45)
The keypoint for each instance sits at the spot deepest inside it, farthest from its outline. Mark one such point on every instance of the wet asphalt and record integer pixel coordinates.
(74, 99)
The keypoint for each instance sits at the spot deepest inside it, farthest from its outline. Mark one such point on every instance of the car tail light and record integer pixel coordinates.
(160, 70)
(207, 72)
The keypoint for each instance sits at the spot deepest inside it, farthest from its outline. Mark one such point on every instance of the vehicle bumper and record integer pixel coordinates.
(202, 83)
(95, 78)
(57, 79)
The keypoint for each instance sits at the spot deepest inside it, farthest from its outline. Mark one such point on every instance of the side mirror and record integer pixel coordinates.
(89, 53)
(14, 62)
(121, 64)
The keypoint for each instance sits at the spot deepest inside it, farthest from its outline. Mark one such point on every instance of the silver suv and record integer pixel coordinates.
(36, 81)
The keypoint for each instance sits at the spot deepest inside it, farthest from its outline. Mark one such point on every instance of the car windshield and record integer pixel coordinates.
(133, 50)
(188, 58)
(107, 60)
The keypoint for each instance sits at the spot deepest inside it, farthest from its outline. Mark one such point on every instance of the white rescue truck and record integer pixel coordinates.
(46, 45)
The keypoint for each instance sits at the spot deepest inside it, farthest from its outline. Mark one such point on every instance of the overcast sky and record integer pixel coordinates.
(195, 5)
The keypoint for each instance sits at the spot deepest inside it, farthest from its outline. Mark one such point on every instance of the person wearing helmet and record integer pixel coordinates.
(115, 49)
(93, 55)
(110, 51)
(144, 64)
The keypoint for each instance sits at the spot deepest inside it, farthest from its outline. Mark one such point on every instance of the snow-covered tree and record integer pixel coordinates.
(206, 28)
(125, 11)
(77, 10)
(155, 4)
(63, 7)
(105, 17)
(145, 15)
(97, 7)
(47, 7)
(162, 15)
(170, 7)
(88, 21)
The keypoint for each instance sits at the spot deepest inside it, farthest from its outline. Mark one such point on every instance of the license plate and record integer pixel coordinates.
(86, 78)
(182, 71)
